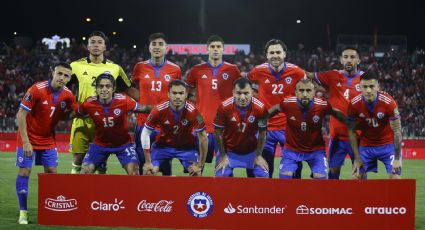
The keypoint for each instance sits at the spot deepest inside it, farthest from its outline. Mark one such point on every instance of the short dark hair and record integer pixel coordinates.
(275, 42)
(99, 34)
(176, 83)
(304, 81)
(214, 38)
(62, 64)
(242, 82)
(156, 36)
(350, 48)
(105, 75)
(369, 75)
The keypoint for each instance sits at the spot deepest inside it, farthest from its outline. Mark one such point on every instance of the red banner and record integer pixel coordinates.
(218, 203)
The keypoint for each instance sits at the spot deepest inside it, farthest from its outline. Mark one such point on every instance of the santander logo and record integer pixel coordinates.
(60, 204)
(229, 209)
(159, 206)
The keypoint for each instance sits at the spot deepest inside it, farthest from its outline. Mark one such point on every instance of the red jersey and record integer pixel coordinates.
(304, 127)
(176, 127)
(45, 107)
(213, 86)
(240, 126)
(373, 119)
(341, 88)
(274, 86)
(153, 83)
(110, 120)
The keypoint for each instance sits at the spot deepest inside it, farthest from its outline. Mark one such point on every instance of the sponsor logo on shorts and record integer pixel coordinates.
(60, 204)
(200, 204)
(254, 209)
(385, 210)
(304, 210)
(114, 206)
(158, 206)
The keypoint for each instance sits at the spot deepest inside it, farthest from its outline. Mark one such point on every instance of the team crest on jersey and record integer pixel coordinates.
(63, 104)
(288, 80)
(380, 115)
(200, 204)
(184, 122)
(316, 118)
(167, 77)
(358, 87)
(117, 112)
(251, 119)
(27, 97)
(225, 76)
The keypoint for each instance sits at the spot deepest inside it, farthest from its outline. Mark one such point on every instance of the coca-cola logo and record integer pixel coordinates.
(60, 204)
(159, 206)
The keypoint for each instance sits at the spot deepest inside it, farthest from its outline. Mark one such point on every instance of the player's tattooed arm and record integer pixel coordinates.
(142, 108)
(224, 161)
(21, 117)
(259, 160)
(396, 127)
(358, 164)
(273, 111)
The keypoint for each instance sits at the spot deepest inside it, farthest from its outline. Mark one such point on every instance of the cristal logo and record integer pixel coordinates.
(160, 206)
(229, 209)
(240, 209)
(385, 210)
(304, 210)
(60, 204)
(105, 206)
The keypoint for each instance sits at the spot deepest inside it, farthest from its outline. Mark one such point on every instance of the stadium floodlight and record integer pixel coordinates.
(120, 19)
(88, 19)
(15, 33)
(134, 46)
(298, 21)
(84, 38)
(114, 33)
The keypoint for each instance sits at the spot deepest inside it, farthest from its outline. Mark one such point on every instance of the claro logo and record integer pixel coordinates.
(385, 210)
(304, 210)
(60, 204)
(107, 206)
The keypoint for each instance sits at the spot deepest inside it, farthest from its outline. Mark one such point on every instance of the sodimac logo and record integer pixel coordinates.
(60, 204)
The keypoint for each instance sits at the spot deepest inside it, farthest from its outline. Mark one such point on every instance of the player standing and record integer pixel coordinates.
(84, 76)
(275, 79)
(153, 77)
(177, 119)
(376, 115)
(40, 110)
(237, 122)
(212, 81)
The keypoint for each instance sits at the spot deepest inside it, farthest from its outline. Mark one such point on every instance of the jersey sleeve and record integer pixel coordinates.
(132, 105)
(72, 103)
(220, 118)
(30, 99)
(393, 112)
(237, 72)
(179, 73)
(198, 124)
(251, 75)
(323, 78)
(123, 82)
(191, 78)
(82, 109)
(262, 121)
(136, 73)
(351, 114)
(153, 119)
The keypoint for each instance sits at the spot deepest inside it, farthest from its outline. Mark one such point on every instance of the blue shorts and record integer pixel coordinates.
(98, 155)
(273, 138)
(241, 161)
(186, 156)
(137, 140)
(316, 160)
(371, 154)
(338, 149)
(46, 157)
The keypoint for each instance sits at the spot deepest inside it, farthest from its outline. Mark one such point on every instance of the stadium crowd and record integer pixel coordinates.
(401, 74)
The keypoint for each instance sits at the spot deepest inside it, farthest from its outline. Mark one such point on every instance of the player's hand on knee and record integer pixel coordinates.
(259, 160)
(195, 169)
(148, 169)
(396, 166)
(27, 148)
(357, 166)
(222, 164)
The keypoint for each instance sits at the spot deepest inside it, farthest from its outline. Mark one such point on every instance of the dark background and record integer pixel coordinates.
(236, 21)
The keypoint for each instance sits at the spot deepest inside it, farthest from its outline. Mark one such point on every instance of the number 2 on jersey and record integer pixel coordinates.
(277, 89)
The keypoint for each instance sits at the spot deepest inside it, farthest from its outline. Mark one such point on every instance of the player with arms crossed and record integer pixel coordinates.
(275, 79)
(177, 119)
(237, 122)
(304, 116)
(212, 81)
(85, 72)
(109, 113)
(376, 115)
(341, 86)
(40, 110)
(153, 77)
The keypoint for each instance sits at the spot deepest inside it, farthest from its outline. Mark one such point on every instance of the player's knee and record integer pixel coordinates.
(50, 170)
(87, 169)
(319, 176)
(394, 176)
(26, 172)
